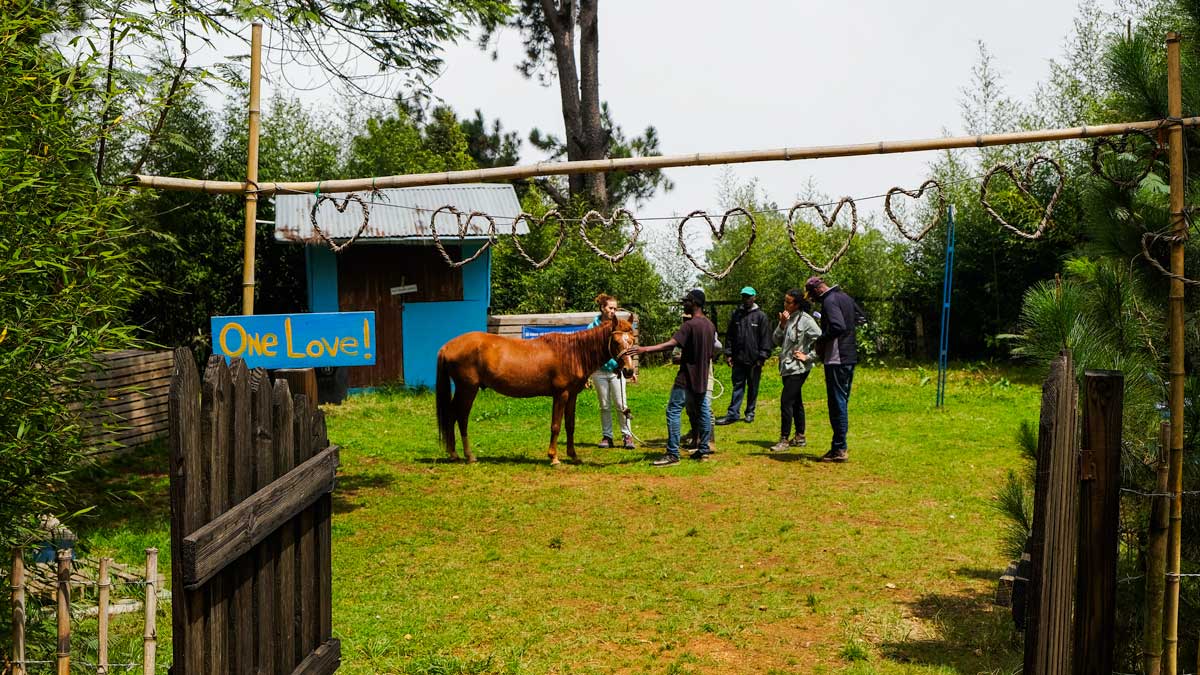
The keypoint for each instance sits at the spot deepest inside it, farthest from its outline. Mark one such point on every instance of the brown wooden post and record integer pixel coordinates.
(301, 382)
(18, 612)
(1176, 372)
(264, 557)
(188, 506)
(216, 419)
(1156, 559)
(306, 535)
(150, 634)
(103, 584)
(285, 561)
(241, 478)
(1053, 541)
(251, 187)
(1099, 523)
(64, 612)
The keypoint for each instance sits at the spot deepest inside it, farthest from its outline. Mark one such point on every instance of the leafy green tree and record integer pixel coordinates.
(67, 269)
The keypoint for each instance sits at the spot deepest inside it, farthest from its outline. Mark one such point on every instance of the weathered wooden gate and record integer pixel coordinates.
(252, 474)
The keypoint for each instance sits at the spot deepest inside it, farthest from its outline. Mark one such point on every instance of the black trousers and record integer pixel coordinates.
(791, 404)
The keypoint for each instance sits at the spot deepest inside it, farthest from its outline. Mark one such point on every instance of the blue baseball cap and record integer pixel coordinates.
(749, 290)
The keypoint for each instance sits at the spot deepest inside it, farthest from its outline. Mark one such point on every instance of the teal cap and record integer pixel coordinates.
(749, 290)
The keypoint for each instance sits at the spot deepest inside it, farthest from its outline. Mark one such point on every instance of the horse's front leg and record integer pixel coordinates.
(571, 427)
(560, 404)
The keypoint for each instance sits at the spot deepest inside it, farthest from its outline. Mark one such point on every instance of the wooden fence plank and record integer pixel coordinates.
(18, 612)
(241, 478)
(285, 570)
(324, 516)
(322, 661)
(264, 553)
(306, 617)
(1053, 541)
(188, 608)
(215, 438)
(234, 533)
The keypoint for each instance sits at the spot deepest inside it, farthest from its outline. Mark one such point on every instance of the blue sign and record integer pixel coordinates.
(528, 332)
(297, 340)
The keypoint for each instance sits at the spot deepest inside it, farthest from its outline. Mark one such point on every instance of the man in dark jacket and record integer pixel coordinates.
(836, 349)
(748, 344)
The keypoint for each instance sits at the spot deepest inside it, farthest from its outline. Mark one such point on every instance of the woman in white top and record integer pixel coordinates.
(610, 386)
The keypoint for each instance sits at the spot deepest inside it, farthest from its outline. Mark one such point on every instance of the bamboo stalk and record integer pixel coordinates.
(1175, 400)
(252, 172)
(18, 612)
(1156, 560)
(64, 612)
(150, 637)
(646, 163)
(102, 616)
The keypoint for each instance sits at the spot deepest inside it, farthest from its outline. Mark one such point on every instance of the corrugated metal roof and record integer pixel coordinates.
(400, 213)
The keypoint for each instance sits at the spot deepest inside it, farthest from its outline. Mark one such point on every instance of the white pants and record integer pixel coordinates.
(610, 390)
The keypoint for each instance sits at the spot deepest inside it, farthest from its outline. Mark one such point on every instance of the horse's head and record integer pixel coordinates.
(622, 339)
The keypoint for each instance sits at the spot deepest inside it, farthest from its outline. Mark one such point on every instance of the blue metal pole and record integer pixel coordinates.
(947, 288)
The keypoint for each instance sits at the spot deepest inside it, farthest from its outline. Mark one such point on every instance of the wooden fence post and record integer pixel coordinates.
(103, 585)
(150, 636)
(1156, 558)
(64, 612)
(1099, 522)
(18, 612)
(1053, 541)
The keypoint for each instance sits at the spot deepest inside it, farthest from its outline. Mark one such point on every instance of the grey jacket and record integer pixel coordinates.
(800, 333)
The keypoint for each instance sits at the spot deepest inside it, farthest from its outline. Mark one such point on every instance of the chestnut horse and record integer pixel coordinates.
(556, 365)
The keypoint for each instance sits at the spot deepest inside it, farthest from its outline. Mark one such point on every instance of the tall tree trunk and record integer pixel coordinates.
(595, 140)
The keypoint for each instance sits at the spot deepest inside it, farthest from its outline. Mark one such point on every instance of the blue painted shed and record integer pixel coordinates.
(396, 250)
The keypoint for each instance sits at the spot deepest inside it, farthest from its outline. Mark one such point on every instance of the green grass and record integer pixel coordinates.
(751, 562)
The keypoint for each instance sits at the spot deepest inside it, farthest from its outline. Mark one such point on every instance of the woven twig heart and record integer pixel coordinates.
(464, 225)
(1121, 146)
(594, 217)
(531, 220)
(916, 194)
(828, 221)
(718, 233)
(1022, 184)
(1148, 237)
(341, 207)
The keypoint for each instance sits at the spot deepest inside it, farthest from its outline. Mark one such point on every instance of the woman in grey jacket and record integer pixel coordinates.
(796, 335)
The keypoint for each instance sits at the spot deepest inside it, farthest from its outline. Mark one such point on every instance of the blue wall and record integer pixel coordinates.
(427, 325)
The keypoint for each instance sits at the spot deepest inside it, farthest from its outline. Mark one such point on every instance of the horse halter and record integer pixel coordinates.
(613, 342)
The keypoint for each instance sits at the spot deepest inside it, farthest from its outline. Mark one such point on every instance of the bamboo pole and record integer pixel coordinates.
(1175, 400)
(18, 612)
(646, 163)
(64, 612)
(103, 584)
(251, 227)
(150, 637)
(1156, 560)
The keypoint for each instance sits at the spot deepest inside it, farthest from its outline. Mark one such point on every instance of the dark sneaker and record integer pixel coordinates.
(665, 460)
(798, 441)
(605, 442)
(701, 455)
(781, 446)
(748, 419)
(726, 420)
(834, 456)
(627, 442)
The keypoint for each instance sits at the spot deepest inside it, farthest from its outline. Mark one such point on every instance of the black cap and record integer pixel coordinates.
(696, 295)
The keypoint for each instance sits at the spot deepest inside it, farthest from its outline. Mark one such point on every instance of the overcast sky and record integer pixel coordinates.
(719, 76)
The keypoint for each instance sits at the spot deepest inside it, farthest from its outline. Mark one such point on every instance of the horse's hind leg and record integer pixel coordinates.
(570, 413)
(560, 404)
(464, 398)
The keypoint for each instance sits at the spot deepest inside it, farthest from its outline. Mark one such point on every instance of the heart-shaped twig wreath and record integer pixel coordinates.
(464, 226)
(531, 220)
(1022, 183)
(1147, 238)
(341, 207)
(594, 217)
(1121, 146)
(916, 194)
(718, 233)
(828, 221)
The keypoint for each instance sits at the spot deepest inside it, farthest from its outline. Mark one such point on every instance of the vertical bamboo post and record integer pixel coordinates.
(252, 172)
(64, 612)
(102, 583)
(1156, 560)
(150, 637)
(1178, 229)
(18, 612)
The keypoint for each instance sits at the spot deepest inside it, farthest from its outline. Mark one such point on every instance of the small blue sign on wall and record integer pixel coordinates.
(297, 340)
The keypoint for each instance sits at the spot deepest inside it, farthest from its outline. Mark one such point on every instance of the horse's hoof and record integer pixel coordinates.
(471, 460)
(555, 462)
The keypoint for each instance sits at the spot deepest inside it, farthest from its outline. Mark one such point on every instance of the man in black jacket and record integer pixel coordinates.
(748, 344)
(837, 350)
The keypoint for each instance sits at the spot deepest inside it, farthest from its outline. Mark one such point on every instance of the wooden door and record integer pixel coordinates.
(366, 275)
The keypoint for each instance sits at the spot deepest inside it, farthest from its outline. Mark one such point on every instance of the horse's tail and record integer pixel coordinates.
(445, 404)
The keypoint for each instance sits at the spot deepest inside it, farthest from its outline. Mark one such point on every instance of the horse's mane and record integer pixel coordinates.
(585, 349)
